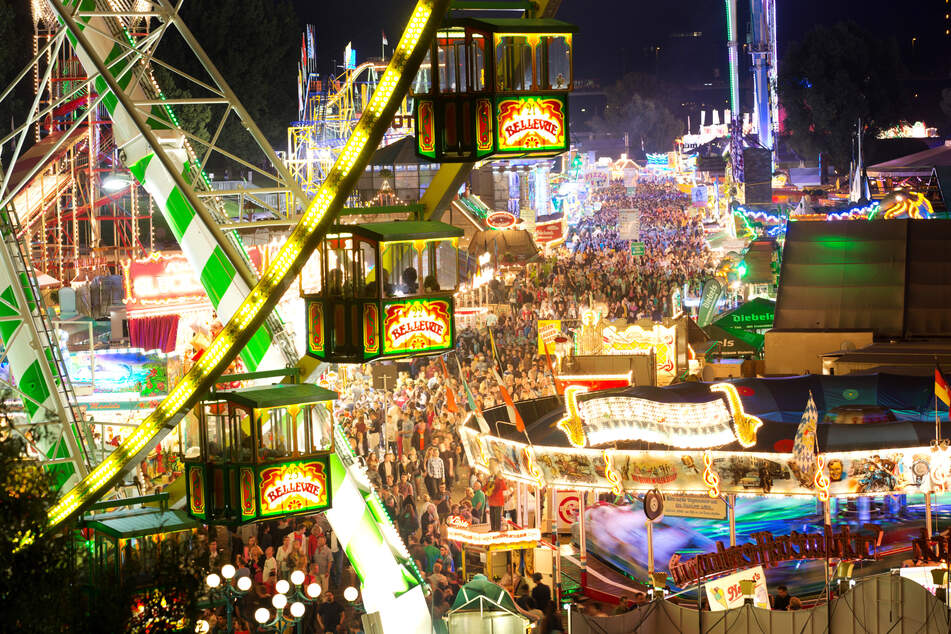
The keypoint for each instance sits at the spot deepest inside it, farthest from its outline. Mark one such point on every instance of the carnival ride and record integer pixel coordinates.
(737, 441)
(115, 51)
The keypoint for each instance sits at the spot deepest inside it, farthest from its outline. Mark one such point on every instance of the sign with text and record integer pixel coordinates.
(726, 592)
(292, 487)
(417, 325)
(162, 280)
(527, 124)
(548, 331)
(697, 506)
(552, 231)
(698, 196)
(638, 249)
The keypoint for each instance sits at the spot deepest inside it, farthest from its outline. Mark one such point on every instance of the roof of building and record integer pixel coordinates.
(279, 395)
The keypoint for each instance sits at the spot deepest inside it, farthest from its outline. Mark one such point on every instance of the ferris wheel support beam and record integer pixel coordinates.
(320, 214)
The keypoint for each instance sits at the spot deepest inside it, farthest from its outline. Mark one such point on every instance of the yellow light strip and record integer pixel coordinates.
(329, 199)
(744, 425)
(571, 423)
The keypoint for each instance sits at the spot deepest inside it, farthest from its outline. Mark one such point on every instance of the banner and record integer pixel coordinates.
(712, 290)
(696, 506)
(725, 593)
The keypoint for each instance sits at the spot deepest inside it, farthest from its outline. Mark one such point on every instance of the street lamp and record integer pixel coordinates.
(297, 593)
(227, 593)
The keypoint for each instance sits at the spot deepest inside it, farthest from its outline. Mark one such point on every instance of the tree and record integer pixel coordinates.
(255, 44)
(43, 582)
(835, 75)
(650, 125)
(15, 52)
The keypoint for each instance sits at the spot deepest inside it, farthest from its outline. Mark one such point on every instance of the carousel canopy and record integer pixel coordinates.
(909, 400)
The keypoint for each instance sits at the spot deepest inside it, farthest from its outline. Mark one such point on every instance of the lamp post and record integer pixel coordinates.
(227, 592)
(285, 614)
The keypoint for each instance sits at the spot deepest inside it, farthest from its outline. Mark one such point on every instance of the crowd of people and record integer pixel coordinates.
(406, 433)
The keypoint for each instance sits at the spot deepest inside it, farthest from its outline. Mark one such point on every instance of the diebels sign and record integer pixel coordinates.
(293, 487)
(417, 325)
(531, 124)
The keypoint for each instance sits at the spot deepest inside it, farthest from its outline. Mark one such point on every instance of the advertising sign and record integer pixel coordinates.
(501, 220)
(161, 280)
(292, 487)
(567, 508)
(696, 506)
(629, 224)
(531, 124)
(552, 231)
(726, 593)
(712, 290)
(698, 196)
(638, 249)
(417, 325)
(548, 329)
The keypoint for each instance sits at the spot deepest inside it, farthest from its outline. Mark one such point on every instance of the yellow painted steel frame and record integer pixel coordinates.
(313, 225)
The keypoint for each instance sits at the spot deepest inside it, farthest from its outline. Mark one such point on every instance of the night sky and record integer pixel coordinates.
(618, 35)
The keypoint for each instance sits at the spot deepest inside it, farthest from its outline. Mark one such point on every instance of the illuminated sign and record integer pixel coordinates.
(162, 280)
(769, 550)
(417, 325)
(292, 487)
(602, 419)
(497, 540)
(531, 124)
(551, 231)
(501, 220)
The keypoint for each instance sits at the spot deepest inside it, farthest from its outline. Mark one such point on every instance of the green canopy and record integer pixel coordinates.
(756, 314)
(481, 588)
(732, 343)
(141, 522)
(280, 395)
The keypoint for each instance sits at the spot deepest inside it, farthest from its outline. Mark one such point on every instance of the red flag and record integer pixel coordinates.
(514, 416)
(450, 397)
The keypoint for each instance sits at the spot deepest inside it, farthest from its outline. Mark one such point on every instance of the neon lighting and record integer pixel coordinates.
(572, 424)
(532, 466)
(531, 124)
(161, 279)
(745, 425)
(254, 308)
(596, 382)
(519, 537)
(611, 475)
(710, 477)
(821, 481)
(635, 340)
(293, 487)
(417, 325)
(913, 205)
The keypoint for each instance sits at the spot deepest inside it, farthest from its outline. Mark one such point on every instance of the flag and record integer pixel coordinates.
(941, 386)
(470, 400)
(495, 352)
(450, 397)
(804, 446)
(514, 416)
(385, 43)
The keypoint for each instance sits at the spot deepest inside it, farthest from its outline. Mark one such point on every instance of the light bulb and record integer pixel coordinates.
(297, 577)
(202, 626)
(297, 609)
(227, 571)
(261, 615)
(244, 583)
(313, 590)
(279, 601)
(282, 586)
(350, 594)
(213, 580)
